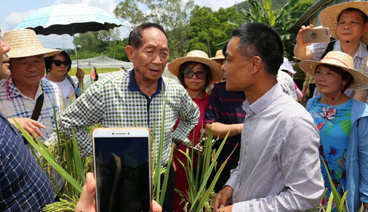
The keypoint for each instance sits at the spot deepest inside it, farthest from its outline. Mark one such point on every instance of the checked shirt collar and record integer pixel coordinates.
(133, 85)
(13, 91)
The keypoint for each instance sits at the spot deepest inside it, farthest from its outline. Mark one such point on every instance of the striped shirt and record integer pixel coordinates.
(16, 105)
(226, 107)
(24, 186)
(279, 167)
(117, 101)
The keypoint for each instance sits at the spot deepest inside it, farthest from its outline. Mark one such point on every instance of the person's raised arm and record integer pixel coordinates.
(220, 130)
(189, 116)
(300, 50)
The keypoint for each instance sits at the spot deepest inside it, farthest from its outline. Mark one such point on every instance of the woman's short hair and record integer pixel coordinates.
(205, 67)
(48, 61)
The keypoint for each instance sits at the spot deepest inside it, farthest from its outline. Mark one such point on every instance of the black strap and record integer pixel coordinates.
(70, 80)
(38, 107)
(73, 84)
(36, 111)
(329, 48)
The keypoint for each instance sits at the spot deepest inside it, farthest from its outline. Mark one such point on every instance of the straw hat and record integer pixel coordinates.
(218, 56)
(200, 57)
(24, 43)
(340, 60)
(328, 16)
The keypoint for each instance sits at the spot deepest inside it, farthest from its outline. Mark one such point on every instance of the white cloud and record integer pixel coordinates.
(215, 5)
(14, 19)
(108, 5)
(56, 41)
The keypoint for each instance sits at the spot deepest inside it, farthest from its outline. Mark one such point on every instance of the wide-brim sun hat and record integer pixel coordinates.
(24, 43)
(218, 56)
(328, 16)
(199, 57)
(340, 60)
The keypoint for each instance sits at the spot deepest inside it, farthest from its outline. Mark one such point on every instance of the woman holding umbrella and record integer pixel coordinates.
(57, 68)
(342, 123)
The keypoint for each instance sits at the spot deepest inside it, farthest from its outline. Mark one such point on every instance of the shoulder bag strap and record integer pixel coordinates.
(329, 48)
(38, 107)
(36, 111)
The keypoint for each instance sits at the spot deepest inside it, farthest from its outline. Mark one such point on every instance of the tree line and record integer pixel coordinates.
(190, 26)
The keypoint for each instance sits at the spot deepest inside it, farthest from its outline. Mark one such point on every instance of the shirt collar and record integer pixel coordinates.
(262, 103)
(14, 91)
(133, 85)
(359, 53)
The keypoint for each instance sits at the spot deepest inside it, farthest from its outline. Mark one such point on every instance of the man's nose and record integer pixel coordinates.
(157, 59)
(31, 67)
(346, 26)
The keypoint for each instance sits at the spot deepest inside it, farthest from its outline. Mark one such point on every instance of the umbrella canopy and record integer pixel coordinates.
(69, 19)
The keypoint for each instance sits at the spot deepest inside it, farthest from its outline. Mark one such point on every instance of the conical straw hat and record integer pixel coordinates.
(199, 57)
(24, 43)
(328, 16)
(340, 60)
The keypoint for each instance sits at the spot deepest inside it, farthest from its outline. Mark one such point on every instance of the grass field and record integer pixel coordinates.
(87, 71)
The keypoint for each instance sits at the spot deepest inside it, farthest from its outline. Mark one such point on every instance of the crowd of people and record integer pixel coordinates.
(279, 153)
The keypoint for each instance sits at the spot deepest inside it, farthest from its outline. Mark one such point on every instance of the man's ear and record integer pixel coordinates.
(130, 53)
(365, 27)
(257, 64)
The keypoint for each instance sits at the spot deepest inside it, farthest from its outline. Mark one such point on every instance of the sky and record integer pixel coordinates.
(13, 12)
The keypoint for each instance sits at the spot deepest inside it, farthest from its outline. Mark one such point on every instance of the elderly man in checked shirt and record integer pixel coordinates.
(139, 98)
(279, 168)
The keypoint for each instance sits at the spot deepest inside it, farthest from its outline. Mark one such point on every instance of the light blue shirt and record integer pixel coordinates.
(279, 167)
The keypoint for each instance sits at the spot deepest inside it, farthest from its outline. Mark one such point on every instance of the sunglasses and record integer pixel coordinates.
(188, 73)
(59, 62)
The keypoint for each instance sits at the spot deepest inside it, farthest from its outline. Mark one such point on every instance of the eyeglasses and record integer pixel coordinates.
(188, 73)
(59, 62)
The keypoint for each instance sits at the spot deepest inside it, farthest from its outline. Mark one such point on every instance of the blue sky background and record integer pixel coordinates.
(14, 11)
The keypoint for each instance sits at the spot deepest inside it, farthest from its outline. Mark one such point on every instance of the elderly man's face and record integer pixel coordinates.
(151, 57)
(27, 71)
(5, 72)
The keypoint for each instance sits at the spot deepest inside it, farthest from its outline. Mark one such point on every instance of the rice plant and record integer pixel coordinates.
(200, 195)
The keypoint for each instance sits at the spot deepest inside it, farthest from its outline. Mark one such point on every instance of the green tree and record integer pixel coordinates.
(116, 50)
(93, 44)
(210, 30)
(281, 21)
(171, 14)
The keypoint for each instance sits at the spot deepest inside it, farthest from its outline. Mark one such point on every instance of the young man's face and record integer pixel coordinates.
(351, 26)
(237, 68)
(151, 57)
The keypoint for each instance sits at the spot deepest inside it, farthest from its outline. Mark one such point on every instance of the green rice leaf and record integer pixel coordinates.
(47, 155)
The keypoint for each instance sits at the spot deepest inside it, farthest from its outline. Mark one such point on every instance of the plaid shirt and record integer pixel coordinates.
(16, 105)
(24, 186)
(117, 101)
